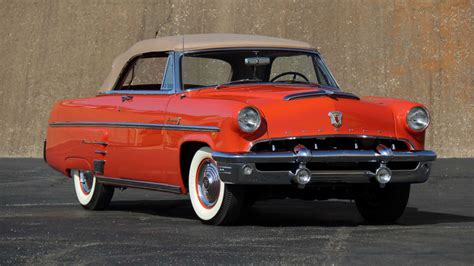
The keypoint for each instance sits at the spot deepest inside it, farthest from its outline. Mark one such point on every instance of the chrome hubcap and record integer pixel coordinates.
(86, 179)
(208, 183)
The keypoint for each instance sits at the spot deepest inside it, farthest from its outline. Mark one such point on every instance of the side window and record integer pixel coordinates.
(149, 73)
(204, 72)
(302, 64)
(168, 80)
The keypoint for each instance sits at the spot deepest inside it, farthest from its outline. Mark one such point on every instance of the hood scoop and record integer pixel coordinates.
(329, 93)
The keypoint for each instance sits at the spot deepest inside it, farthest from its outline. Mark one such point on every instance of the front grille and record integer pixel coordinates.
(331, 143)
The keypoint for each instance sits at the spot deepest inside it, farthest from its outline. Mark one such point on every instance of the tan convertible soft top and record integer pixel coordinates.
(196, 42)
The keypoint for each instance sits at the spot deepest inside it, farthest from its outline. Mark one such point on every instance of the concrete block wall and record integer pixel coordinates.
(420, 50)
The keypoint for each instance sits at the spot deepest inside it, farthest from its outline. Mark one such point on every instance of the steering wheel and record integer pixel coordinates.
(290, 73)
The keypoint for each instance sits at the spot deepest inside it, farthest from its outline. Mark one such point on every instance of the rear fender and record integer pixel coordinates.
(76, 163)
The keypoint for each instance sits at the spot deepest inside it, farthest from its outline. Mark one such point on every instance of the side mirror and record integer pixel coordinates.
(257, 61)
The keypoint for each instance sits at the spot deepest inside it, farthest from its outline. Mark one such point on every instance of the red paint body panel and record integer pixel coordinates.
(131, 150)
(153, 154)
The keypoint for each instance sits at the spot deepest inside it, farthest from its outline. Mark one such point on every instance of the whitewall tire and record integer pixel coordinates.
(213, 201)
(91, 194)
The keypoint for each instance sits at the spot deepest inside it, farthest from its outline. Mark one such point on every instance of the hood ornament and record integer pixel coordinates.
(336, 119)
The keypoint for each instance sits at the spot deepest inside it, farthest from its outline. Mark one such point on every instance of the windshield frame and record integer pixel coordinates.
(180, 55)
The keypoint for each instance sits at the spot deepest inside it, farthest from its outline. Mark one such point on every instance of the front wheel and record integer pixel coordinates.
(382, 205)
(91, 194)
(213, 201)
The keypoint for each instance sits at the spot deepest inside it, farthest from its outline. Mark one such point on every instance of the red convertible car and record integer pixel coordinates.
(230, 119)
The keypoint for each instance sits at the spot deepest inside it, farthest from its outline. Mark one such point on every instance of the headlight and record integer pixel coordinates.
(418, 118)
(249, 119)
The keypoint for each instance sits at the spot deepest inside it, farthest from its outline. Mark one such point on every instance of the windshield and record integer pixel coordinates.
(220, 68)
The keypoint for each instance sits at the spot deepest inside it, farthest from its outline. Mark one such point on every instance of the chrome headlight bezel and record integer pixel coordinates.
(417, 124)
(243, 119)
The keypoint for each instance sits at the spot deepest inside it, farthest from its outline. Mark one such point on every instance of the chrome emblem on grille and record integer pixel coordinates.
(336, 119)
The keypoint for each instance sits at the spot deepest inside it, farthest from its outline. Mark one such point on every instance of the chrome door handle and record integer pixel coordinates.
(127, 98)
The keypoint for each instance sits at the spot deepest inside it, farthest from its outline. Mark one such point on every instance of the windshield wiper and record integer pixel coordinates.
(237, 82)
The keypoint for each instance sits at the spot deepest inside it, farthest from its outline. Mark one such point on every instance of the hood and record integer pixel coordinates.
(309, 115)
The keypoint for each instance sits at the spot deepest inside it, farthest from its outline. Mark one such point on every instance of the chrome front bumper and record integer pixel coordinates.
(231, 166)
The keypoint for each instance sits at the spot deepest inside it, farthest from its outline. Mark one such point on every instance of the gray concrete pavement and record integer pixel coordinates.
(41, 223)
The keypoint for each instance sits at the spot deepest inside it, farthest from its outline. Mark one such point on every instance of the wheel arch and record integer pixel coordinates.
(186, 154)
(76, 163)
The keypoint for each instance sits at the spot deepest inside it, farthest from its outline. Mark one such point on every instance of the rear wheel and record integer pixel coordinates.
(213, 201)
(91, 194)
(382, 205)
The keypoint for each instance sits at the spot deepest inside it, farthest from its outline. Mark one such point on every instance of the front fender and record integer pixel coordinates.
(220, 113)
(400, 109)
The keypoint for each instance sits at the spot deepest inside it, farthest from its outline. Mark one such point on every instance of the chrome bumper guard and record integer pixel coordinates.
(240, 168)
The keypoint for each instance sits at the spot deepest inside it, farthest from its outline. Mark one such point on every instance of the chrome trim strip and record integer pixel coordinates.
(135, 125)
(324, 156)
(333, 173)
(138, 184)
(327, 69)
(103, 143)
(138, 92)
(322, 137)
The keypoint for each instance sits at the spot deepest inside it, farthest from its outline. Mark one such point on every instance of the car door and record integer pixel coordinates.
(137, 142)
